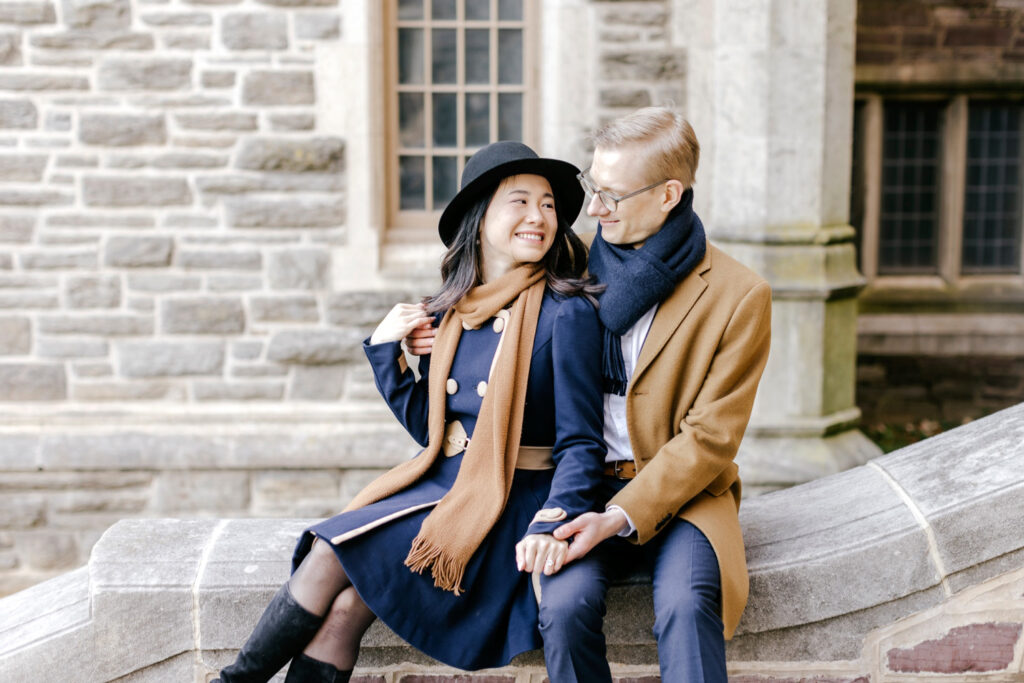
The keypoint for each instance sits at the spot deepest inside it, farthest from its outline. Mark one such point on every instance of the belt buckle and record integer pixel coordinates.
(618, 469)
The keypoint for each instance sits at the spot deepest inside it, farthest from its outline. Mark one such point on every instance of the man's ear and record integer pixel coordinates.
(672, 193)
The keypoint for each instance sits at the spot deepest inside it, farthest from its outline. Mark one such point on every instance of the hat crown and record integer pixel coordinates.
(492, 156)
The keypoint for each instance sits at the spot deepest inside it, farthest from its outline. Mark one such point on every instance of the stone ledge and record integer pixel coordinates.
(831, 563)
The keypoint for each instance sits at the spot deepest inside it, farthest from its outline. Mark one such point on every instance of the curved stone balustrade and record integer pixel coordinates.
(912, 565)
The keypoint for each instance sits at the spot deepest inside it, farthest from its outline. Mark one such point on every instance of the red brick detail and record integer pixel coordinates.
(454, 678)
(757, 678)
(978, 647)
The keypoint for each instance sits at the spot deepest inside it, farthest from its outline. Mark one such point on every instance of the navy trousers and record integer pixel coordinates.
(687, 598)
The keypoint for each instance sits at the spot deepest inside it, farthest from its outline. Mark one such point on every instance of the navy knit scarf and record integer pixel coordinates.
(637, 279)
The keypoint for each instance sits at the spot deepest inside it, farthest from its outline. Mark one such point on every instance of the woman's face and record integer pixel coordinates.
(519, 225)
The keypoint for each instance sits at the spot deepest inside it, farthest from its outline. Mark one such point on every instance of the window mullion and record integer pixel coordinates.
(873, 119)
(954, 179)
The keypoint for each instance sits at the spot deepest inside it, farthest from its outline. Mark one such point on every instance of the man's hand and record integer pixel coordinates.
(589, 529)
(541, 551)
(420, 341)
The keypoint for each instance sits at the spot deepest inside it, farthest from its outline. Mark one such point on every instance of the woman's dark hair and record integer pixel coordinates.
(565, 263)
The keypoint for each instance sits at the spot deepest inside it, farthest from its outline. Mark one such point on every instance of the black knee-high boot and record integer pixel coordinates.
(285, 628)
(305, 669)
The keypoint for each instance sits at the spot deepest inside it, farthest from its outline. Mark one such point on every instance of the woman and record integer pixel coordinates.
(509, 411)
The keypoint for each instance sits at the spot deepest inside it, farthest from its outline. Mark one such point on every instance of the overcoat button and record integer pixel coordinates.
(481, 389)
(451, 386)
(499, 325)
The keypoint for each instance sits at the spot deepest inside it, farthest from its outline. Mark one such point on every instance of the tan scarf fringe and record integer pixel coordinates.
(454, 529)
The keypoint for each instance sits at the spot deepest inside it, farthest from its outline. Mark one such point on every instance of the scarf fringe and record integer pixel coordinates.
(445, 568)
(613, 368)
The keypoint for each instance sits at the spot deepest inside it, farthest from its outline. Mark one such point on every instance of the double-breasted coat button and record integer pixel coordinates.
(451, 386)
(499, 325)
(481, 389)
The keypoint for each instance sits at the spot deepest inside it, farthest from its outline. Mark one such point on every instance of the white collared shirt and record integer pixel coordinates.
(616, 433)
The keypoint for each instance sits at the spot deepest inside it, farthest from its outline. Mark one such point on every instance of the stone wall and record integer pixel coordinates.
(910, 568)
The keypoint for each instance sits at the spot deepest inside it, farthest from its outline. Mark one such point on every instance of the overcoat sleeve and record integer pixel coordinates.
(397, 383)
(578, 401)
(709, 434)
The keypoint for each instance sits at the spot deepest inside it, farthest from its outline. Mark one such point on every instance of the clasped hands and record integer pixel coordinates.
(550, 552)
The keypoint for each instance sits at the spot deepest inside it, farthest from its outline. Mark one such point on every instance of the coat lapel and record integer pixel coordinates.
(671, 313)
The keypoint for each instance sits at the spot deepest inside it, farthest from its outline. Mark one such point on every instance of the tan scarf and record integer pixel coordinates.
(454, 529)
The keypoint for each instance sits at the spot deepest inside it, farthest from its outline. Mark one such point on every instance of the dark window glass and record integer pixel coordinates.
(478, 10)
(411, 182)
(442, 9)
(478, 56)
(410, 119)
(478, 117)
(992, 201)
(443, 57)
(410, 55)
(410, 9)
(445, 172)
(510, 56)
(445, 122)
(510, 116)
(857, 181)
(908, 223)
(510, 10)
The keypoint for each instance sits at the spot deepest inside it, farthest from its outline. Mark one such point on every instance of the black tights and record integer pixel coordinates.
(321, 587)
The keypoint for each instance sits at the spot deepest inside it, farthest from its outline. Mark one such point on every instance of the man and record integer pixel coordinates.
(687, 339)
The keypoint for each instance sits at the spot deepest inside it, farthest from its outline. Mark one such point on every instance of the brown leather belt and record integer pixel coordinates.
(529, 457)
(620, 469)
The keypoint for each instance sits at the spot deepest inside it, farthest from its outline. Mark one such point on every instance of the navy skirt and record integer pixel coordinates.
(488, 624)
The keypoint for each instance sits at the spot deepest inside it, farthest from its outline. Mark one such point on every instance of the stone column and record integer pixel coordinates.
(770, 95)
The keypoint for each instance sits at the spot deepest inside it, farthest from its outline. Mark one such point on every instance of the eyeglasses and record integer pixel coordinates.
(609, 200)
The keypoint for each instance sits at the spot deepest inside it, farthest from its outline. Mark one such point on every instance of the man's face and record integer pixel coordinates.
(621, 171)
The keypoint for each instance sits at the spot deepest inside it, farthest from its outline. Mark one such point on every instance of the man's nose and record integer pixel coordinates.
(595, 207)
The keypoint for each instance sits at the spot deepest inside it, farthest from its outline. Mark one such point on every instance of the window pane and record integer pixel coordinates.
(992, 202)
(410, 119)
(411, 181)
(410, 55)
(478, 115)
(445, 173)
(510, 55)
(445, 123)
(510, 116)
(510, 10)
(477, 10)
(908, 230)
(478, 56)
(442, 9)
(857, 186)
(444, 55)
(410, 9)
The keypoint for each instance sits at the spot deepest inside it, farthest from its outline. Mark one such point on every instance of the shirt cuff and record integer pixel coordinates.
(631, 528)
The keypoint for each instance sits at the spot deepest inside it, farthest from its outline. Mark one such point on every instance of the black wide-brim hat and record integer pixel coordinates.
(499, 160)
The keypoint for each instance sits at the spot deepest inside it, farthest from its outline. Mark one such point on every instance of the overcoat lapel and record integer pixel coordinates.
(670, 315)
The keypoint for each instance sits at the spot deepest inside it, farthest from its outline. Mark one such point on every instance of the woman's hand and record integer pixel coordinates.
(538, 552)
(399, 322)
(420, 341)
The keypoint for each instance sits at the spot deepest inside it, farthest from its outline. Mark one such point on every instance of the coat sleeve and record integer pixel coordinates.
(396, 382)
(578, 400)
(710, 433)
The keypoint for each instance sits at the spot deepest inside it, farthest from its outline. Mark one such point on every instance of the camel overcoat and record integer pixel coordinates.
(687, 406)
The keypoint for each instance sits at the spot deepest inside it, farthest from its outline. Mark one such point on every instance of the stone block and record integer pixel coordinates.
(18, 452)
(186, 40)
(299, 269)
(188, 220)
(207, 259)
(286, 213)
(128, 191)
(978, 36)
(105, 324)
(203, 315)
(42, 82)
(170, 359)
(218, 120)
(127, 391)
(144, 74)
(41, 197)
(16, 228)
(278, 88)
(317, 383)
(79, 348)
(18, 114)
(185, 160)
(216, 78)
(99, 220)
(22, 167)
(177, 19)
(233, 283)
(254, 31)
(163, 283)
(284, 309)
(15, 12)
(296, 494)
(364, 308)
(29, 301)
(33, 382)
(21, 511)
(58, 259)
(246, 350)
(49, 550)
(317, 26)
(625, 97)
(119, 130)
(299, 3)
(238, 391)
(86, 40)
(15, 335)
(292, 121)
(315, 346)
(272, 182)
(92, 291)
(10, 49)
(138, 252)
(646, 65)
(97, 15)
(315, 155)
(202, 492)
(125, 449)
(259, 370)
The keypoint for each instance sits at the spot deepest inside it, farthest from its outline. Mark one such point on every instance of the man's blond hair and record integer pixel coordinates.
(663, 136)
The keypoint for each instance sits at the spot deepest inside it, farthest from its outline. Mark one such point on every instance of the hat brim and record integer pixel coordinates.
(560, 174)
